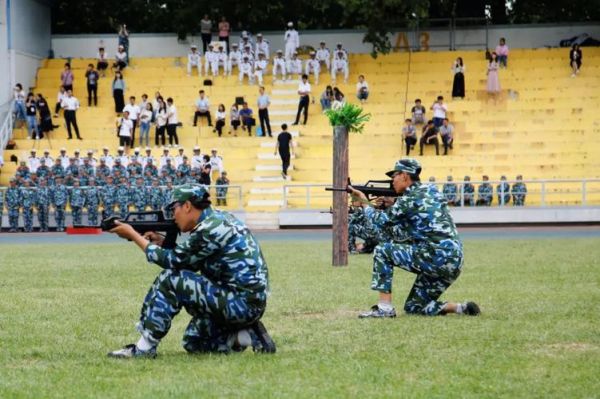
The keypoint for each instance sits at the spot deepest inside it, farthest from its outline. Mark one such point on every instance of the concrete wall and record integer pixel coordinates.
(166, 45)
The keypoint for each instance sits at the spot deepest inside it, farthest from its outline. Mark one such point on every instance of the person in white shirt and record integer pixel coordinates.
(161, 122)
(121, 59)
(294, 66)
(216, 161)
(210, 59)
(102, 64)
(148, 157)
(362, 89)
(313, 66)
(235, 58)
(121, 157)
(194, 60)
(247, 52)
(439, 111)
(62, 93)
(324, 55)
(64, 158)
(304, 93)
(262, 46)
(70, 104)
(49, 160)
(339, 65)
(202, 108)
(222, 60)
(279, 66)
(292, 40)
(215, 60)
(260, 68)
(78, 160)
(107, 158)
(145, 121)
(246, 70)
(125, 127)
(197, 161)
(340, 48)
(136, 157)
(33, 161)
(220, 117)
(245, 40)
(164, 157)
(172, 122)
(134, 112)
(179, 157)
(90, 158)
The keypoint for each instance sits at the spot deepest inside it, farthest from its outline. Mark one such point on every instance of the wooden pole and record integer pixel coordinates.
(340, 198)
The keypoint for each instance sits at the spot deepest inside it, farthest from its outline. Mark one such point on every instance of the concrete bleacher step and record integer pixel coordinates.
(265, 190)
(263, 202)
(293, 102)
(270, 155)
(271, 179)
(284, 91)
(280, 82)
(282, 112)
(261, 167)
(263, 220)
(272, 144)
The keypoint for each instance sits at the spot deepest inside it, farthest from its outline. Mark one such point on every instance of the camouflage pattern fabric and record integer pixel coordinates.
(92, 203)
(13, 204)
(450, 191)
(218, 275)
(60, 196)
(77, 201)
(485, 194)
(1, 207)
(122, 195)
(109, 195)
(28, 200)
(57, 170)
(43, 206)
(156, 198)
(519, 192)
(435, 252)
(503, 192)
(468, 194)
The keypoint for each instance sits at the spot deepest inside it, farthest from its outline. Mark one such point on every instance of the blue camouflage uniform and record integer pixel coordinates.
(60, 196)
(28, 200)
(77, 201)
(519, 192)
(43, 171)
(109, 197)
(503, 191)
(485, 193)
(13, 204)
(57, 170)
(450, 191)
(43, 206)
(218, 275)
(137, 196)
(434, 252)
(468, 192)
(156, 197)
(92, 203)
(123, 200)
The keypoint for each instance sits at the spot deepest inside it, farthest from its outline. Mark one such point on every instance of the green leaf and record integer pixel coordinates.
(350, 116)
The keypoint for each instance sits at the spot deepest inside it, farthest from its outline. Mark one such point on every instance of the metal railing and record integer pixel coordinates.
(6, 126)
(544, 193)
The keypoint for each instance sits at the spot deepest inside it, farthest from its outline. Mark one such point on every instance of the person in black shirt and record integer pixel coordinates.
(205, 170)
(284, 146)
(45, 115)
(92, 77)
(31, 113)
(430, 136)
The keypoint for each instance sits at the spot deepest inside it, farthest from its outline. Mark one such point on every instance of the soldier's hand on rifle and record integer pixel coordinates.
(384, 202)
(154, 238)
(358, 195)
(124, 230)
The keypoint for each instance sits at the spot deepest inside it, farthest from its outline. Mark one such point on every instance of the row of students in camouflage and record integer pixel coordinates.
(431, 248)
(485, 192)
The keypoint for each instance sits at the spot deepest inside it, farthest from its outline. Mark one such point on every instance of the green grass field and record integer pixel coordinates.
(62, 308)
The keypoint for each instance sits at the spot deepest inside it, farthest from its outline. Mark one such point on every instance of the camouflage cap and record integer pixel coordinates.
(187, 192)
(408, 165)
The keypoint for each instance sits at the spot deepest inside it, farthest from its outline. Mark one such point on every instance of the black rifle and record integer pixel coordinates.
(372, 189)
(143, 222)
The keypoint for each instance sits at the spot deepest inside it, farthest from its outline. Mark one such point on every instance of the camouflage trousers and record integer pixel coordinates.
(216, 312)
(59, 216)
(436, 267)
(156, 206)
(28, 219)
(356, 230)
(42, 216)
(123, 209)
(13, 218)
(92, 215)
(108, 210)
(76, 214)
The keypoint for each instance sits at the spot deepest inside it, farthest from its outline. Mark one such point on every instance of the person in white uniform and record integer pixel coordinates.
(279, 66)
(246, 70)
(260, 68)
(194, 60)
(339, 65)
(313, 66)
(294, 65)
(292, 40)
(235, 58)
(262, 46)
(324, 55)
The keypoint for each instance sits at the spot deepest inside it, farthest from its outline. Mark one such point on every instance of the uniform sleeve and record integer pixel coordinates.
(188, 255)
(380, 217)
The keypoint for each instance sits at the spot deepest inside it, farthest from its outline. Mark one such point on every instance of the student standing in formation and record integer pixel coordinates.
(313, 66)
(92, 77)
(70, 105)
(324, 56)
(284, 146)
(292, 40)
(172, 122)
(279, 65)
(134, 112)
(304, 93)
(263, 111)
(194, 60)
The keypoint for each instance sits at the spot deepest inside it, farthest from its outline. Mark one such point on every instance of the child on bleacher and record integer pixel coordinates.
(502, 53)
(418, 112)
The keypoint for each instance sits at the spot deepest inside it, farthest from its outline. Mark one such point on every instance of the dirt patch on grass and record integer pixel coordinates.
(567, 347)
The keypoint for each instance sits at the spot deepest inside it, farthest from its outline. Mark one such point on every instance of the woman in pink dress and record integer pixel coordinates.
(493, 83)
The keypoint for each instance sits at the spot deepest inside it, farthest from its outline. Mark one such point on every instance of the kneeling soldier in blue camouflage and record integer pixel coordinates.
(434, 252)
(218, 275)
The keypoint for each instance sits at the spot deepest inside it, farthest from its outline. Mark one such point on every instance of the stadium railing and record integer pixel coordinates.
(6, 125)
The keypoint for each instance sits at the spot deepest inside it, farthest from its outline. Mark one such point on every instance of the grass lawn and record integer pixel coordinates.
(62, 308)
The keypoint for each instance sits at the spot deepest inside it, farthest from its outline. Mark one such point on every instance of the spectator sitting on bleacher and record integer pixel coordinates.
(313, 66)
(222, 60)
(102, 63)
(223, 182)
(234, 59)
(327, 98)
(575, 58)
(450, 192)
(247, 52)
(194, 60)
(59, 99)
(234, 117)
(246, 117)
(338, 98)
(245, 69)
(67, 77)
(118, 91)
(468, 192)
(418, 112)
(518, 191)
(439, 111)
(202, 108)
(503, 191)
(220, 117)
(279, 66)
(339, 65)
(211, 61)
(324, 56)
(485, 193)
(293, 66)
(409, 134)
(260, 68)
(121, 59)
(502, 53)
(429, 137)
(362, 89)
(447, 133)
